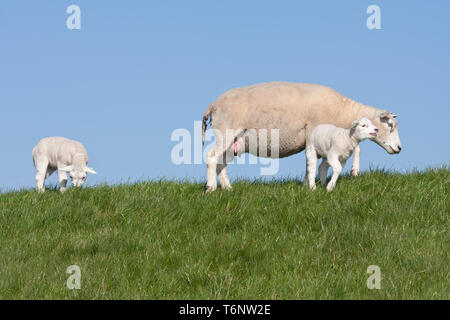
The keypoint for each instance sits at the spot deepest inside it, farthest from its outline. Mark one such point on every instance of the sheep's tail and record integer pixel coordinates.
(206, 116)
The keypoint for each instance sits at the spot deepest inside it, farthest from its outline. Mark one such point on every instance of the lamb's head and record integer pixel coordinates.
(363, 129)
(78, 174)
(387, 137)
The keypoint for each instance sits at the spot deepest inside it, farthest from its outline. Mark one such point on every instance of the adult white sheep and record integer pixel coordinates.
(294, 109)
(334, 145)
(63, 155)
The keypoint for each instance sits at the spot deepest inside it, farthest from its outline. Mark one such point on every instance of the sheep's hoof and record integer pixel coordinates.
(228, 188)
(355, 172)
(210, 189)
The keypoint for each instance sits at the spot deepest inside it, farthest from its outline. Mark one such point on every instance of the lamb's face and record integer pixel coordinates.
(78, 177)
(78, 174)
(364, 129)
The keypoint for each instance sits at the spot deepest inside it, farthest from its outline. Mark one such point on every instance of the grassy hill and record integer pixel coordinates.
(273, 240)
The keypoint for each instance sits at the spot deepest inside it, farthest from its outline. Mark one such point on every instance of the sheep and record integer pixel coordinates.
(63, 155)
(294, 109)
(335, 145)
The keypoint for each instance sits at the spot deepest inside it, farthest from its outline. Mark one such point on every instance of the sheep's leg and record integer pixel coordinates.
(211, 168)
(41, 165)
(227, 156)
(233, 148)
(311, 163)
(355, 166)
(323, 170)
(236, 149)
(219, 156)
(337, 169)
(62, 178)
(217, 168)
(223, 176)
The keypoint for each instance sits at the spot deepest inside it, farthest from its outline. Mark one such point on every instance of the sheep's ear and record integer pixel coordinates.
(383, 114)
(394, 116)
(355, 123)
(66, 169)
(90, 170)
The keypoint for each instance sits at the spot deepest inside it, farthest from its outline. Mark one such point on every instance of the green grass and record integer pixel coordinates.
(272, 240)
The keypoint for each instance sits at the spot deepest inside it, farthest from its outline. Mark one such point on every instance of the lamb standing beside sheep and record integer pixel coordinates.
(335, 145)
(63, 155)
(293, 110)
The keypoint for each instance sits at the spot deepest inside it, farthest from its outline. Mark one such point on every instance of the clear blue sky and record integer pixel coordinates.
(137, 70)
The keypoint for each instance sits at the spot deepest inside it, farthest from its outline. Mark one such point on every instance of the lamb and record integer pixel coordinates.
(64, 155)
(335, 145)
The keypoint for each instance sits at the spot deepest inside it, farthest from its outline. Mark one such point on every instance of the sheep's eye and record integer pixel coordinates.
(364, 126)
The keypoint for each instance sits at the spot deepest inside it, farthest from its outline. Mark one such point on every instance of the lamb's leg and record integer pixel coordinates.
(337, 169)
(323, 170)
(41, 165)
(355, 166)
(62, 178)
(311, 163)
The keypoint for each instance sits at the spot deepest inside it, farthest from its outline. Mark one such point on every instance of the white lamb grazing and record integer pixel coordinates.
(64, 155)
(335, 145)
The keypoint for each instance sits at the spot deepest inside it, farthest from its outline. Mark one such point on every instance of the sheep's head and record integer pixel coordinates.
(387, 136)
(364, 129)
(78, 174)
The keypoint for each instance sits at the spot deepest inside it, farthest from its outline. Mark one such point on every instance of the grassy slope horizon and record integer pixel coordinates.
(270, 240)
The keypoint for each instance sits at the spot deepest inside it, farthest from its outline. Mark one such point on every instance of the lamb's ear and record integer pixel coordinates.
(394, 116)
(90, 170)
(66, 169)
(383, 114)
(355, 123)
